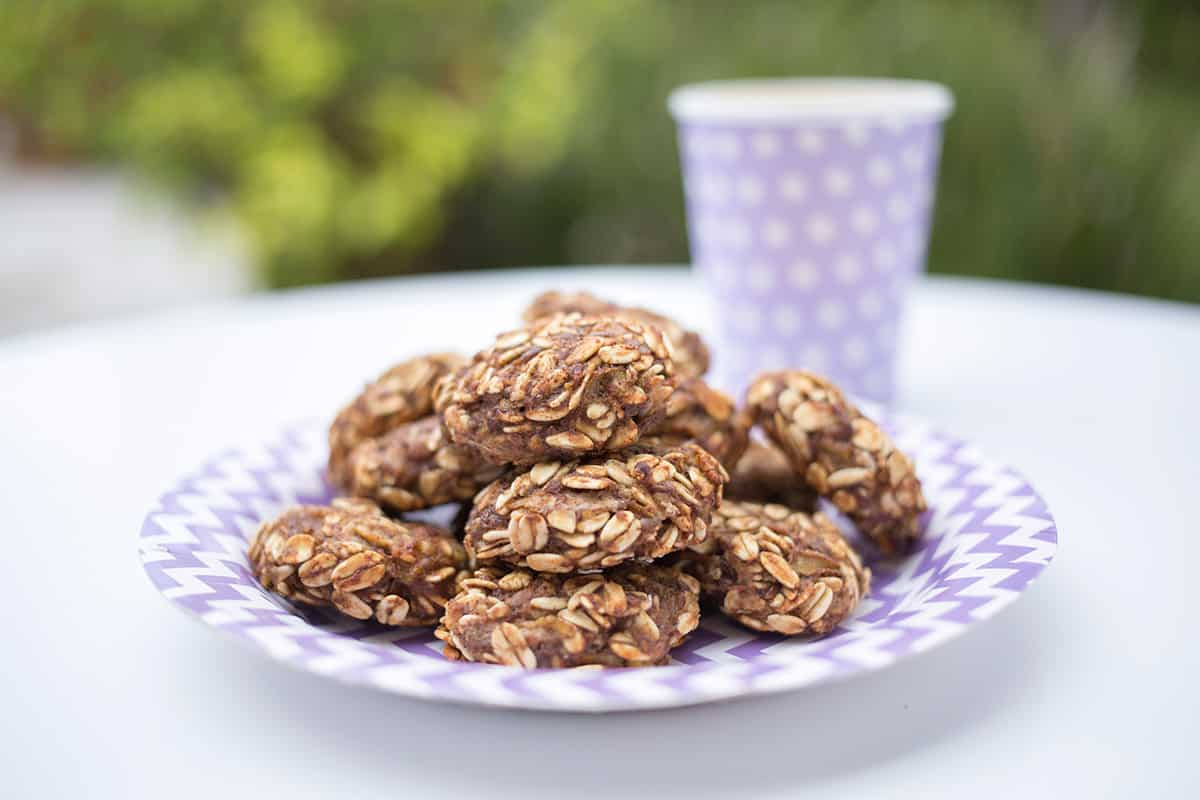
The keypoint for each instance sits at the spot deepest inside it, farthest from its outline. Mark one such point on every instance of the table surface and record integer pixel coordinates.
(110, 692)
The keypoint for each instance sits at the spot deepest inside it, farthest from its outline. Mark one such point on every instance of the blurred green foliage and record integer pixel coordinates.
(365, 138)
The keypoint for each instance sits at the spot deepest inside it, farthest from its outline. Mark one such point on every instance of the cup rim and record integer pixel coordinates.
(809, 99)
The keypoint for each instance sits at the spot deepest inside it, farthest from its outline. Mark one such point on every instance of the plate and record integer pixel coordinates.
(988, 536)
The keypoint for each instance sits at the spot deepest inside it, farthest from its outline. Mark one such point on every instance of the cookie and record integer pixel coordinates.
(774, 569)
(687, 348)
(629, 617)
(842, 455)
(402, 394)
(763, 475)
(414, 466)
(698, 413)
(560, 389)
(598, 512)
(354, 558)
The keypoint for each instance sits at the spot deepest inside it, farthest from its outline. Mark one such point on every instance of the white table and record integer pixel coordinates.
(107, 691)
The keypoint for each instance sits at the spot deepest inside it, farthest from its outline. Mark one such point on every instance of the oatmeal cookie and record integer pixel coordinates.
(687, 348)
(763, 475)
(414, 466)
(698, 413)
(842, 455)
(402, 394)
(598, 512)
(560, 389)
(775, 569)
(351, 556)
(630, 616)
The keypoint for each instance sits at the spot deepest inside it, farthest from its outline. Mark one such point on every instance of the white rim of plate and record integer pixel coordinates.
(810, 99)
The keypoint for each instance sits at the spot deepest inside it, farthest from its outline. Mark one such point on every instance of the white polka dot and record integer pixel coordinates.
(922, 196)
(713, 189)
(831, 314)
(760, 277)
(792, 187)
(884, 255)
(776, 233)
(810, 141)
(745, 318)
(847, 268)
(723, 273)
(876, 381)
(870, 305)
(838, 181)
(880, 171)
(732, 275)
(785, 320)
(899, 207)
(857, 133)
(894, 123)
(912, 157)
(803, 275)
(864, 220)
(886, 337)
(733, 354)
(814, 358)
(856, 351)
(709, 229)
(764, 144)
(727, 145)
(697, 144)
(820, 228)
(737, 233)
(772, 358)
(750, 190)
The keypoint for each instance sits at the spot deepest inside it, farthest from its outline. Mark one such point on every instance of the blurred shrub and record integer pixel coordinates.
(371, 137)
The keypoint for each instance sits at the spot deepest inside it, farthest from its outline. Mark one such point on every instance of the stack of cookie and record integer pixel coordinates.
(596, 465)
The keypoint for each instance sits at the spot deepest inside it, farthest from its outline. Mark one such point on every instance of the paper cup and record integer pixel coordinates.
(808, 206)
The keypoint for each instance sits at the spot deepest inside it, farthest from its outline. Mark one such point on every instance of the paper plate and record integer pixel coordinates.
(988, 536)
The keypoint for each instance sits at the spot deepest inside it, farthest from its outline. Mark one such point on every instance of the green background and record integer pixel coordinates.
(355, 139)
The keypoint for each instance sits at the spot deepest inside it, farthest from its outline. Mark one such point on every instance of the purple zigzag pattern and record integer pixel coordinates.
(951, 590)
(899, 624)
(183, 553)
(995, 536)
(686, 653)
(936, 570)
(222, 587)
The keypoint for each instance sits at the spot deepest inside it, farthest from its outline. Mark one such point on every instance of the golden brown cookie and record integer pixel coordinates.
(630, 616)
(402, 394)
(775, 569)
(563, 388)
(763, 475)
(687, 348)
(415, 465)
(354, 558)
(598, 512)
(842, 454)
(698, 413)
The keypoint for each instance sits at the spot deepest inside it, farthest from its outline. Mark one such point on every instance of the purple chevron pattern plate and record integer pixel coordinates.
(989, 535)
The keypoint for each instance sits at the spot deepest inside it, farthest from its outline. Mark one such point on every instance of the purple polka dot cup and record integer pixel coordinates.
(808, 205)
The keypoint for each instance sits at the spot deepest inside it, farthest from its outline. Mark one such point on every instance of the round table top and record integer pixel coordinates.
(113, 693)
